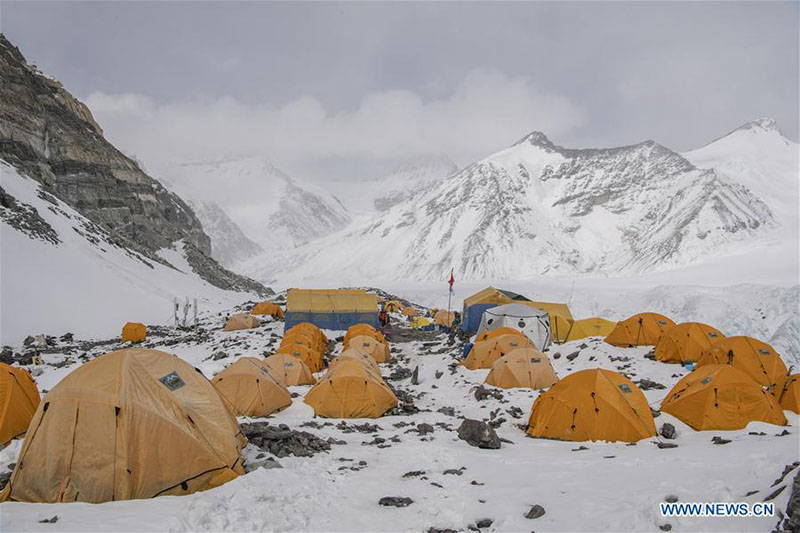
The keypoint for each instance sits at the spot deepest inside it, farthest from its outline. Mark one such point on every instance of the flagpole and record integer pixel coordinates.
(449, 297)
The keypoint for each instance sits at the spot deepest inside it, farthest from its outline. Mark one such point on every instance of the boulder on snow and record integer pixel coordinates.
(535, 511)
(395, 501)
(668, 431)
(478, 434)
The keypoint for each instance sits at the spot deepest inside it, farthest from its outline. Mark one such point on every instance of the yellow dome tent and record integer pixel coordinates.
(267, 308)
(19, 398)
(303, 340)
(289, 369)
(444, 318)
(134, 332)
(590, 327)
(350, 391)
(370, 346)
(393, 306)
(484, 353)
(251, 389)
(129, 424)
(593, 404)
(420, 322)
(241, 321)
(523, 367)
(721, 397)
(319, 340)
(755, 358)
(560, 318)
(410, 311)
(312, 358)
(789, 394)
(685, 342)
(643, 329)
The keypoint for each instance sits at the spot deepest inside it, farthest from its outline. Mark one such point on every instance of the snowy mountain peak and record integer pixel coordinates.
(537, 138)
(765, 124)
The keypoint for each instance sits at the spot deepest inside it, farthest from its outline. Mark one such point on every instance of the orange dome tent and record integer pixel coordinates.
(370, 346)
(362, 329)
(486, 335)
(643, 329)
(350, 391)
(134, 332)
(267, 308)
(685, 342)
(523, 367)
(594, 404)
(289, 369)
(410, 311)
(19, 398)
(444, 318)
(484, 353)
(251, 389)
(789, 394)
(362, 357)
(241, 321)
(309, 356)
(129, 424)
(721, 397)
(755, 358)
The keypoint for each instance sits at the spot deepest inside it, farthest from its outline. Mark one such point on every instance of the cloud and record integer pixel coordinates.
(486, 111)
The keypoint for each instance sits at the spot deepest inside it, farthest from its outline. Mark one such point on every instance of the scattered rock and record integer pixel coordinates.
(267, 463)
(438, 374)
(757, 433)
(655, 412)
(484, 522)
(719, 440)
(448, 411)
(479, 434)
(668, 431)
(395, 501)
(579, 449)
(671, 499)
(793, 506)
(282, 441)
(646, 384)
(573, 356)
(775, 493)
(557, 355)
(219, 355)
(476, 483)
(415, 376)
(52, 520)
(665, 527)
(783, 433)
(414, 473)
(454, 471)
(667, 445)
(424, 429)
(536, 511)
(7, 355)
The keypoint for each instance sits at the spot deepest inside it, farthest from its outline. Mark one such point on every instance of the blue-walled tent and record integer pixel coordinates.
(335, 309)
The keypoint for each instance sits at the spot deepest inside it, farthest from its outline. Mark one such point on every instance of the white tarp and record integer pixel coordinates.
(534, 323)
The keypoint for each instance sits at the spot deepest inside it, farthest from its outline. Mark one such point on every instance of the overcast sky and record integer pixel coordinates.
(334, 90)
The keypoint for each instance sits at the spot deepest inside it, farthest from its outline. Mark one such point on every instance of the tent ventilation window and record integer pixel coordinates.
(705, 381)
(521, 323)
(536, 359)
(624, 388)
(172, 381)
(489, 322)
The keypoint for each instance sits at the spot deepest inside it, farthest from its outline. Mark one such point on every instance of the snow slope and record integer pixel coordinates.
(600, 487)
(81, 280)
(537, 209)
(272, 209)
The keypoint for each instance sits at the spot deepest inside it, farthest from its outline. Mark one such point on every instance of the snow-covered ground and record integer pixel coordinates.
(85, 283)
(607, 486)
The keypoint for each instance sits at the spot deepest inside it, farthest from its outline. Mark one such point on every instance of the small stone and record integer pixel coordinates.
(667, 445)
(424, 429)
(484, 522)
(395, 501)
(478, 434)
(414, 473)
(572, 356)
(719, 440)
(665, 527)
(536, 511)
(579, 449)
(671, 498)
(52, 520)
(668, 431)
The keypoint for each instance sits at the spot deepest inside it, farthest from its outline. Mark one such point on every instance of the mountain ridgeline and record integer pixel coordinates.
(51, 137)
(537, 209)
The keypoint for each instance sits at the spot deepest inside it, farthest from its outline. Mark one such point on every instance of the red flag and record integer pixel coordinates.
(452, 279)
